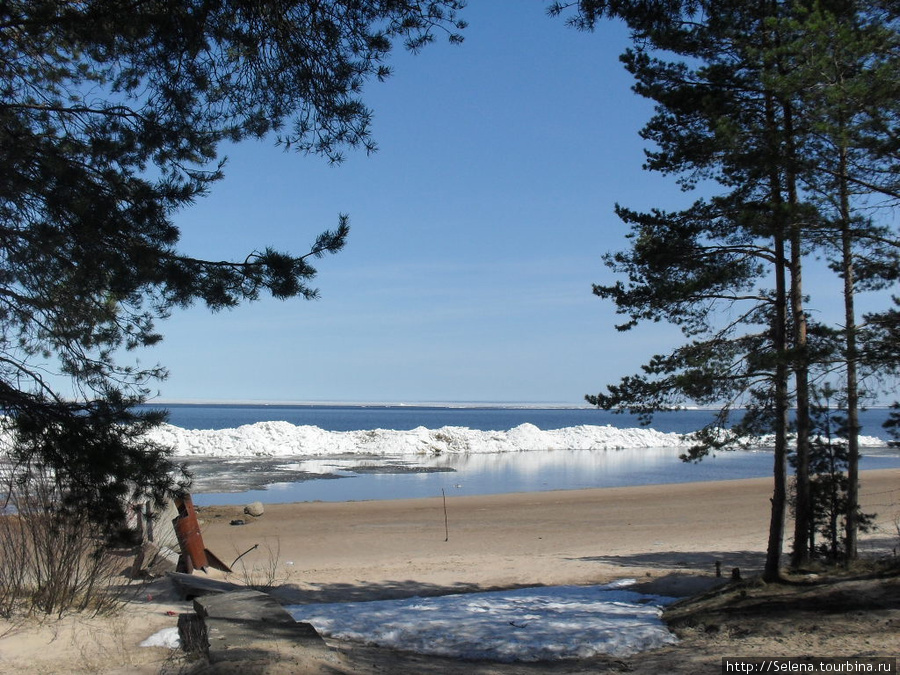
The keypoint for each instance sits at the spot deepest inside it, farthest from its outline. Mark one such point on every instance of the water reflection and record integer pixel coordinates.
(355, 477)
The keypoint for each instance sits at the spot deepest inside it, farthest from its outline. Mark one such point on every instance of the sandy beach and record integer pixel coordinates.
(669, 537)
(390, 548)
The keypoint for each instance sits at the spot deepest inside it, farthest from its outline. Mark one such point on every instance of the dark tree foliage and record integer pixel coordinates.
(829, 481)
(790, 109)
(883, 353)
(706, 66)
(892, 424)
(843, 84)
(112, 116)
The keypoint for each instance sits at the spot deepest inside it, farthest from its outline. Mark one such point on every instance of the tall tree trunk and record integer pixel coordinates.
(772, 570)
(803, 513)
(851, 357)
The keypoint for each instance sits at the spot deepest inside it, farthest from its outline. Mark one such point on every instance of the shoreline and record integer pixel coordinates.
(335, 551)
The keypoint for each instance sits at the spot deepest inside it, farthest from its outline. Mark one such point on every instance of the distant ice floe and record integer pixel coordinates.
(283, 439)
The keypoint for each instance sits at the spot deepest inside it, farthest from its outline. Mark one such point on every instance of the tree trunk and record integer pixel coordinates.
(772, 571)
(851, 357)
(803, 514)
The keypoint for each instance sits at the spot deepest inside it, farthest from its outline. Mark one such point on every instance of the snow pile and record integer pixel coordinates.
(282, 439)
(529, 624)
(167, 637)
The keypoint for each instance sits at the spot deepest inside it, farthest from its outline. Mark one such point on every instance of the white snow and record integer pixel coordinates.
(283, 439)
(530, 624)
(167, 637)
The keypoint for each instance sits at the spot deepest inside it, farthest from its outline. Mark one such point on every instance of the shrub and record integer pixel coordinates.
(52, 561)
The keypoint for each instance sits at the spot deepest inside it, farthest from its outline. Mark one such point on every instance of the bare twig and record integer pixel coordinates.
(252, 548)
(446, 522)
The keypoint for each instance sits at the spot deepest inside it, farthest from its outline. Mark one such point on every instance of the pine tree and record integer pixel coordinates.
(716, 121)
(843, 82)
(111, 120)
(752, 107)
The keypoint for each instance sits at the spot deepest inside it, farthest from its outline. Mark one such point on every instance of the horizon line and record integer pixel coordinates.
(357, 403)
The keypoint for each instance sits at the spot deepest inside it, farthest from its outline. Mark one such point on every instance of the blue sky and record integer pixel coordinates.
(477, 230)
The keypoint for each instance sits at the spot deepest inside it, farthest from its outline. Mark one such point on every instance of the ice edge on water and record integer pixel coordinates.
(283, 439)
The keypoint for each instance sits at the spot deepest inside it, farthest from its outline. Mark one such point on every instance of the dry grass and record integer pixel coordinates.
(53, 563)
(260, 568)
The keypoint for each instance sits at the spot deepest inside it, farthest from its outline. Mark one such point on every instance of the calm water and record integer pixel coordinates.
(362, 478)
(534, 471)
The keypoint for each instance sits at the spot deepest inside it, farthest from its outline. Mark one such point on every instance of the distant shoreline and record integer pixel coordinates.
(376, 404)
(462, 405)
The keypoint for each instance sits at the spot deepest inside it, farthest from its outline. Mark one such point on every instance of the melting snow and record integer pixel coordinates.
(530, 624)
(167, 637)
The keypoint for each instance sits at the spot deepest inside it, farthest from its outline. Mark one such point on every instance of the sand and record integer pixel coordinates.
(669, 537)
(571, 537)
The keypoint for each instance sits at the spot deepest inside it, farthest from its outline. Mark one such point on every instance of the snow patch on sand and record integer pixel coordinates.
(529, 624)
(167, 637)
